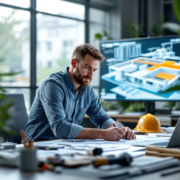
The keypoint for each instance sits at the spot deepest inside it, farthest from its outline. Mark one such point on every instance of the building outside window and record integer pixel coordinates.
(48, 46)
(43, 45)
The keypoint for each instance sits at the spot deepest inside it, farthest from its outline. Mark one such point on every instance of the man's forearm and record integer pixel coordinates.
(91, 133)
(110, 133)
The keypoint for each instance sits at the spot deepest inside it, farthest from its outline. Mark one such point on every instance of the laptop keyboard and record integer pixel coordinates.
(163, 144)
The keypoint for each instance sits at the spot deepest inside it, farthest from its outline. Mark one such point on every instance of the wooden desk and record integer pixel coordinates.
(174, 119)
(165, 120)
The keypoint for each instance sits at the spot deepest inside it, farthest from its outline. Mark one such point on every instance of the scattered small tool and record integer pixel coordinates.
(124, 159)
(94, 151)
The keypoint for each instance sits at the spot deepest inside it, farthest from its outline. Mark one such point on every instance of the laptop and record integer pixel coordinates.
(173, 142)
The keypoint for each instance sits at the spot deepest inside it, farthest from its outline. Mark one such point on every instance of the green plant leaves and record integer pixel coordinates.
(176, 7)
(104, 35)
(179, 32)
(98, 36)
(135, 107)
(1, 90)
(175, 88)
(10, 74)
(174, 27)
(172, 105)
(134, 29)
(156, 29)
(132, 106)
(5, 105)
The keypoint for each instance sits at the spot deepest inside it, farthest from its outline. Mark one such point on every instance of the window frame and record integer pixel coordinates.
(33, 38)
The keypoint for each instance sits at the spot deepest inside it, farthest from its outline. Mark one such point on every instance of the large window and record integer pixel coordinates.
(98, 25)
(63, 8)
(14, 46)
(37, 38)
(20, 3)
(57, 38)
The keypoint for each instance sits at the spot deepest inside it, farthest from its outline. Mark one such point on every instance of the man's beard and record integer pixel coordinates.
(81, 79)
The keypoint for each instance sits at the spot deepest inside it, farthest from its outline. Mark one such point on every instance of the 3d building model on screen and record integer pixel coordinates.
(141, 69)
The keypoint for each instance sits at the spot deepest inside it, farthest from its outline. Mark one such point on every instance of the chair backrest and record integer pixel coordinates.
(18, 119)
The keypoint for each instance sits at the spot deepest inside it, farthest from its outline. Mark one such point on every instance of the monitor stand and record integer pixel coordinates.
(150, 107)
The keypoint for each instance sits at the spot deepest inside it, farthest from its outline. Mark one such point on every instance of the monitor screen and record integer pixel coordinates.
(140, 69)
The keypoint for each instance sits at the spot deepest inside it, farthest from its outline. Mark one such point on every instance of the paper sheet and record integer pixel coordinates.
(72, 146)
(75, 143)
(168, 130)
(133, 151)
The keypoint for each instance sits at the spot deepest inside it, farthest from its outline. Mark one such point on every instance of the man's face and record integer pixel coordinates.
(85, 69)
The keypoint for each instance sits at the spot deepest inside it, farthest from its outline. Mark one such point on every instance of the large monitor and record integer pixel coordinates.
(140, 69)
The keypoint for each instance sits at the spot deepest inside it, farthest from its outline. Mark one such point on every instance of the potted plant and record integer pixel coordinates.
(4, 107)
(174, 106)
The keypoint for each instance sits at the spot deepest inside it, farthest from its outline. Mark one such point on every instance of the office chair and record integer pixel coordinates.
(18, 119)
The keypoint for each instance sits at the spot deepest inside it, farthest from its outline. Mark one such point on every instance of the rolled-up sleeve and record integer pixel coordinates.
(51, 97)
(97, 114)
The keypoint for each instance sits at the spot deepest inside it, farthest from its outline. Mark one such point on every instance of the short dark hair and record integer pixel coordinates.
(81, 51)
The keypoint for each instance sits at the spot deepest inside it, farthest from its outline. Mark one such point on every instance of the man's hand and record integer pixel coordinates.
(113, 134)
(128, 133)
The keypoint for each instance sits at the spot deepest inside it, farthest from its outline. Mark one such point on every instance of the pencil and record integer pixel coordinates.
(23, 138)
(30, 143)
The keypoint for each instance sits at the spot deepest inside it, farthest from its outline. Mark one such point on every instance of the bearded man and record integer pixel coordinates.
(64, 98)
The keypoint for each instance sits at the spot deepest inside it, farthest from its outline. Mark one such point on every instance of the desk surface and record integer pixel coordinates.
(85, 172)
(75, 174)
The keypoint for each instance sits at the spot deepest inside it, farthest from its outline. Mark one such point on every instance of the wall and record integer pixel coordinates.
(147, 12)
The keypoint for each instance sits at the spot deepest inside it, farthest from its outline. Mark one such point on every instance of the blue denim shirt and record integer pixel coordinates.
(56, 113)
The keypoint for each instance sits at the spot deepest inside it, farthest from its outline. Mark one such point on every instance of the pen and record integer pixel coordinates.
(48, 148)
(64, 144)
(119, 126)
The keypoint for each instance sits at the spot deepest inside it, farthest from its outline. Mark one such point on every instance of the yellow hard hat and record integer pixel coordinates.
(148, 123)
